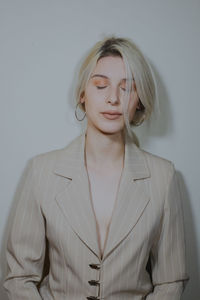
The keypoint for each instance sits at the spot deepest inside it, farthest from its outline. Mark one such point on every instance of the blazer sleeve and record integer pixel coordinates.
(26, 243)
(167, 255)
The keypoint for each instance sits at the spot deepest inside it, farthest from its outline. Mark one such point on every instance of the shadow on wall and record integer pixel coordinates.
(192, 290)
(156, 127)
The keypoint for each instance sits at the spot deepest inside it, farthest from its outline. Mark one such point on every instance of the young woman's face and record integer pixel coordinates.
(103, 95)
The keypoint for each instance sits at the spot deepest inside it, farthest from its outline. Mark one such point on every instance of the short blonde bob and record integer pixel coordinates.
(137, 68)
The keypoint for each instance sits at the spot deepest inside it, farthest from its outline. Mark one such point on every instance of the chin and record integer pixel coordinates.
(107, 127)
(110, 129)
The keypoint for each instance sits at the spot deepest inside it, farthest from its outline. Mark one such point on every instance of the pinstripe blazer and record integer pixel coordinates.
(54, 219)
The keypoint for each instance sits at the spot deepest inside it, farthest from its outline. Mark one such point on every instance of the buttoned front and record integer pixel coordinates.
(94, 282)
(95, 266)
(54, 217)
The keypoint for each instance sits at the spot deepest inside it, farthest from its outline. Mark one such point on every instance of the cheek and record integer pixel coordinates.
(94, 97)
(90, 94)
(92, 102)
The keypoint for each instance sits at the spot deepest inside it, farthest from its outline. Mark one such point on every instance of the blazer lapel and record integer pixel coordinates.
(75, 201)
(132, 197)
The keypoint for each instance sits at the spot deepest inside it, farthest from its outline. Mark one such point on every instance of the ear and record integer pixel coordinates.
(82, 97)
(140, 106)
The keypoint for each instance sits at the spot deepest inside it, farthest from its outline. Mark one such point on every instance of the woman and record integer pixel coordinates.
(105, 213)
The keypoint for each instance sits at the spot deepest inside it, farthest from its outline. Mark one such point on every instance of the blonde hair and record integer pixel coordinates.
(137, 68)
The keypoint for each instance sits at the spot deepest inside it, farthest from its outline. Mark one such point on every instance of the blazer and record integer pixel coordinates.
(144, 256)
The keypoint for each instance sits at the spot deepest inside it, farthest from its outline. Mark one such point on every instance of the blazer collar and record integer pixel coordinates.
(73, 159)
(75, 200)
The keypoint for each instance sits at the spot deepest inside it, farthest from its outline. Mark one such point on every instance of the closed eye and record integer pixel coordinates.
(100, 87)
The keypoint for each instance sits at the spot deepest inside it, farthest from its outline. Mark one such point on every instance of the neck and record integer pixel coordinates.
(104, 151)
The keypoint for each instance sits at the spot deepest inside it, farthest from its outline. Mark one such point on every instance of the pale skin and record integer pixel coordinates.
(104, 145)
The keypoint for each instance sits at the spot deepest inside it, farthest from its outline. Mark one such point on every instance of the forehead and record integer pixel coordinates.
(112, 67)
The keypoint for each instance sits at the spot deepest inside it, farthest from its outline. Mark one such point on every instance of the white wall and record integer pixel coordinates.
(42, 43)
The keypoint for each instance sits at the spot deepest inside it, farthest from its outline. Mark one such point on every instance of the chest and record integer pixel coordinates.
(103, 196)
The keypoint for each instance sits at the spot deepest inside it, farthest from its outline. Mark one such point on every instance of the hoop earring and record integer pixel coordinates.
(76, 113)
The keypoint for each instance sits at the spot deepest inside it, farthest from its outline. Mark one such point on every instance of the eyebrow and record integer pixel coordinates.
(106, 77)
(99, 75)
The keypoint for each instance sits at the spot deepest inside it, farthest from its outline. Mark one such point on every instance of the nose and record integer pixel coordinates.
(113, 96)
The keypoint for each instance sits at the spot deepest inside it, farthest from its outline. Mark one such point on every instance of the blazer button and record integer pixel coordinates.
(93, 282)
(94, 266)
(93, 298)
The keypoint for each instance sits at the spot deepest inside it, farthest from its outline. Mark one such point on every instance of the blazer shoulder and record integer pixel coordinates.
(157, 164)
(50, 158)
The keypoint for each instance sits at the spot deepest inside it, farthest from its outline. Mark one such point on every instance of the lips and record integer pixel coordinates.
(111, 115)
(111, 112)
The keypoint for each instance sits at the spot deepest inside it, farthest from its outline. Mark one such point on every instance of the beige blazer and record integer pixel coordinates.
(55, 214)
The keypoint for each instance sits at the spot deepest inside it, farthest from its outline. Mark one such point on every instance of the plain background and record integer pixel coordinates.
(42, 43)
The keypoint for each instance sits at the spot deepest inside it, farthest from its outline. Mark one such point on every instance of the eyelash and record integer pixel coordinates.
(103, 87)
